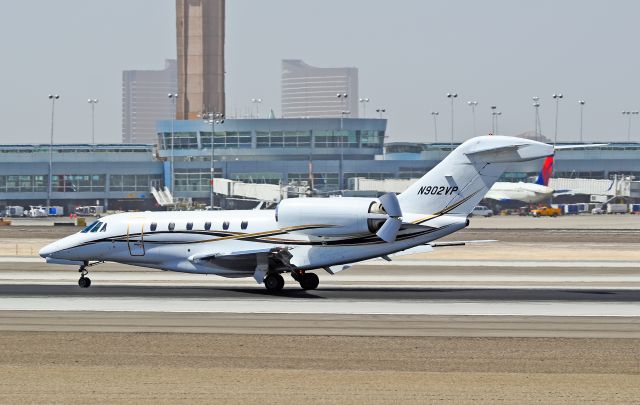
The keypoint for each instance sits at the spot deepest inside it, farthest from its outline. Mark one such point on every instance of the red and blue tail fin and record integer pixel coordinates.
(545, 173)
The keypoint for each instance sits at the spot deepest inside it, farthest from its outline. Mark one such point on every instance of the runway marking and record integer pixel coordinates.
(278, 305)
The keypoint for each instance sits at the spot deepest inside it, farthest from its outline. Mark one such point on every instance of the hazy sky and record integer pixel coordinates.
(409, 54)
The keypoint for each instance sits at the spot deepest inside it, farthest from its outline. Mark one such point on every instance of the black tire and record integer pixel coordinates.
(309, 281)
(84, 282)
(274, 282)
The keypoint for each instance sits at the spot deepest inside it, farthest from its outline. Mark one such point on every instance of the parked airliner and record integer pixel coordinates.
(529, 193)
(302, 234)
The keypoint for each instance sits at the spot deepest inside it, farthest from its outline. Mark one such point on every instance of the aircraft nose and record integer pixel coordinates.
(48, 250)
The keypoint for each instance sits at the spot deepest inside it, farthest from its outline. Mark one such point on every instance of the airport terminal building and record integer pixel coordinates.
(273, 151)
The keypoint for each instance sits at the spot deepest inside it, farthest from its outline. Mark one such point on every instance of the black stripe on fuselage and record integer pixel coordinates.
(266, 237)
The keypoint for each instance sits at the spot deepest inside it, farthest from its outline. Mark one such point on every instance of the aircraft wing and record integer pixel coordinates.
(257, 259)
(461, 243)
(238, 253)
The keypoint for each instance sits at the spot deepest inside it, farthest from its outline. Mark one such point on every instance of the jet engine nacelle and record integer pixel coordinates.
(331, 216)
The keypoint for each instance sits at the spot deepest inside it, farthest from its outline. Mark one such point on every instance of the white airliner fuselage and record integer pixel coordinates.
(302, 234)
(529, 193)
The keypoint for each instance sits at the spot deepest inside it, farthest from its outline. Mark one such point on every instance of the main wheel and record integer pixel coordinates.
(84, 282)
(274, 282)
(309, 281)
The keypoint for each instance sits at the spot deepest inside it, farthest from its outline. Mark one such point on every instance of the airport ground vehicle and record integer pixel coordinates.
(14, 211)
(481, 211)
(617, 208)
(546, 212)
(90, 210)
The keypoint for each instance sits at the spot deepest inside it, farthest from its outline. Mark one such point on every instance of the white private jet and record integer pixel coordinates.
(302, 234)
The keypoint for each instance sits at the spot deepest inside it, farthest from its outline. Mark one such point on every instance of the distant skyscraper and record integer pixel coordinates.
(200, 29)
(144, 101)
(309, 91)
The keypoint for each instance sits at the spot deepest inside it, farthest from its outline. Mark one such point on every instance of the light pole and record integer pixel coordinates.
(581, 102)
(496, 115)
(435, 114)
(380, 111)
(173, 97)
(473, 105)
(452, 96)
(257, 102)
(93, 102)
(556, 97)
(493, 119)
(629, 114)
(364, 102)
(53, 98)
(212, 118)
(342, 97)
(536, 115)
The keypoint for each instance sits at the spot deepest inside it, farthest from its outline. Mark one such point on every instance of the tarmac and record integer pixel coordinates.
(555, 302)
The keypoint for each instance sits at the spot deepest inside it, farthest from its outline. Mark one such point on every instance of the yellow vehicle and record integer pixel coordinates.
(546, 212)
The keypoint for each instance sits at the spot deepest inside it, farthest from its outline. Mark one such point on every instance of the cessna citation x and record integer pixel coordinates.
(302, 234)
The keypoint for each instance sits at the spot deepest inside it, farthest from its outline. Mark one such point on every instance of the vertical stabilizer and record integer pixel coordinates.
(458, 183)
(545, 172)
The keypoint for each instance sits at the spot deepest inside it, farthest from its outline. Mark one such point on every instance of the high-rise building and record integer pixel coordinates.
(310, 92)
(200, 34)
(144, 101)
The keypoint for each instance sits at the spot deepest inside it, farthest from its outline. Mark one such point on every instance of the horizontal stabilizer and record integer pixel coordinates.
(591, 145)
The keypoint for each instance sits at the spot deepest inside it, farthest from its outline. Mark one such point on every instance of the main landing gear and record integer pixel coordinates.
(84, 282)
(308, 281)
(274, 282)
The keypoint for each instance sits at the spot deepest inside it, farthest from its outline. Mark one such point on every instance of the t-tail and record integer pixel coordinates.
(545, 172)
(458, 183)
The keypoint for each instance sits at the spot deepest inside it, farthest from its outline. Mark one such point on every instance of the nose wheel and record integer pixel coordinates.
(84, 281)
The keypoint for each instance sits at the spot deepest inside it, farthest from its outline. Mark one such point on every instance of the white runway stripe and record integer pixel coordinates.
(288, 306)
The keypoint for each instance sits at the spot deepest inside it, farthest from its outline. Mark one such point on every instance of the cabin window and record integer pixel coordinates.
(104, 228)
(172, 226)
(244, 224)
(207, 226)
(153, 226)
(225, 225)
(189, 226)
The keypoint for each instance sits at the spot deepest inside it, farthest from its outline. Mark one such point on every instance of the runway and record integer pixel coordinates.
(374, 300)
(574, 282)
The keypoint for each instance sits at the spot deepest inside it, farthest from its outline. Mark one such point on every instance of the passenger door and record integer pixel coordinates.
(135, 238)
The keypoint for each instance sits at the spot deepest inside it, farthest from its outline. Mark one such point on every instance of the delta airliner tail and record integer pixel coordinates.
(545, 172)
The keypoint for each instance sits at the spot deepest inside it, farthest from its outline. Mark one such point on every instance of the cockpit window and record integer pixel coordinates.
(96, 227)
(91, 225)
(104, 228)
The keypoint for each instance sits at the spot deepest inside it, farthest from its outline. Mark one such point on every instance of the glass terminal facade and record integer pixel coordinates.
(268, 151)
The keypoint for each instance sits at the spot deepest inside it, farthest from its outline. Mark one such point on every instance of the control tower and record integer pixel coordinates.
(200, 35)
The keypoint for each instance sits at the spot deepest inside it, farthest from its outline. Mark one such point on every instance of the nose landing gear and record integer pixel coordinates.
(84, 281)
